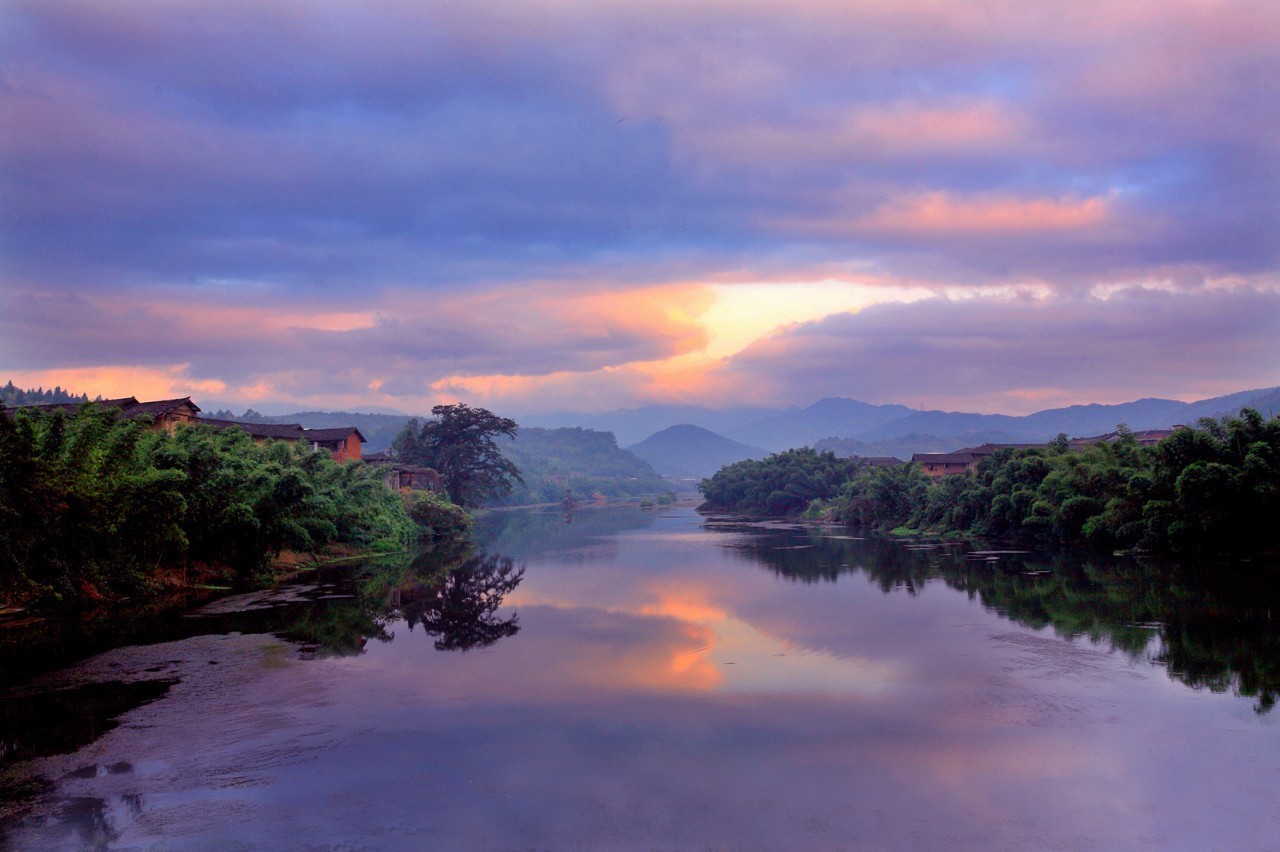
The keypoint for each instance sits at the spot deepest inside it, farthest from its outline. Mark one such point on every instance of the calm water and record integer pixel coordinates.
(638, 680)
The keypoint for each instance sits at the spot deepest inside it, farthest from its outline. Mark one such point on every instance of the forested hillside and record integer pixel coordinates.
(582, 461)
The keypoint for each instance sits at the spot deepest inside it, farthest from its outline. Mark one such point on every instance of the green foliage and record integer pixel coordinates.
(94, 504)
(1211, 490)
(436, 517)
(461, 445)
(782, 484)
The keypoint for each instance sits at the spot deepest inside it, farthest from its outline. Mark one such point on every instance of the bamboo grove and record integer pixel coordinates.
(95, 506)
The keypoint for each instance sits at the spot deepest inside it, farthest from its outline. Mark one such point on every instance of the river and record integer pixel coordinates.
(629, 679)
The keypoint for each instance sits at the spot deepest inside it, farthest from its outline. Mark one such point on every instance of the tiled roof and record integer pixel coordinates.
(988, 449)
(1144, 437)
(338, 433)
(945, 458)
(133, 408)
(73, 407)
(278, 431)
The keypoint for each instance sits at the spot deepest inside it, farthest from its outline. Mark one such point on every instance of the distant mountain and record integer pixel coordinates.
(905, 446)
(632, 425)
(1266, 402)
(687, 450)
(946, 423)
(1084, 420)
(806, 426)
(764, 430)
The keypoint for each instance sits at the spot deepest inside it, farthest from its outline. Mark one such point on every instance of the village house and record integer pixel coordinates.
(398, 475)
(343, 441)
(946, 464)
(958, 461)
(1144, 437)
(166, 414)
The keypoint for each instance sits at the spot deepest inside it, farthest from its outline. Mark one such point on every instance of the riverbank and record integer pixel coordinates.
(34, 639)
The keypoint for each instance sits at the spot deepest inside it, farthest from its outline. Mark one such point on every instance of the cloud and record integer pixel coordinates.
(177, 181)
(937, 213)
(1023, 354)
(397, 343)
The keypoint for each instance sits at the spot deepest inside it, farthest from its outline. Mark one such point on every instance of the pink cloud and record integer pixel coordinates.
(943, 213)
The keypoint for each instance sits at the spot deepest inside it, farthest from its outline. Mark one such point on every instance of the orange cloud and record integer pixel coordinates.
(115, 381)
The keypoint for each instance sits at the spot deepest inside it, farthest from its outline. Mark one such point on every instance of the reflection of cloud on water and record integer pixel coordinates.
(723, 652)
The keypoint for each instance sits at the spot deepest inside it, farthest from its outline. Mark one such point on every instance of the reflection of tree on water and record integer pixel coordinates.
(1213, 627)
(459, 607)
(452, 590)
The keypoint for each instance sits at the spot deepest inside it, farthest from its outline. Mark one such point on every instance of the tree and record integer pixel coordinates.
(461, 445)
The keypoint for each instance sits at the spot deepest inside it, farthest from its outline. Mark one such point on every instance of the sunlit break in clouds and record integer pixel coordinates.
(567, 206)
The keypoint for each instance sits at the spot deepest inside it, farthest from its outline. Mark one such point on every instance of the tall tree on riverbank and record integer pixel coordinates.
(461, 444)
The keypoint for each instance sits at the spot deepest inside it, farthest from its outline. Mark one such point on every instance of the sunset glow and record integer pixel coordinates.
(582, 207)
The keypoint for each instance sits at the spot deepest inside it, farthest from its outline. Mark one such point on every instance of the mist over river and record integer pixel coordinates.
(630, 679)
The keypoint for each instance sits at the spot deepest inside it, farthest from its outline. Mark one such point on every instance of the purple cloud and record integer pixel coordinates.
(286, 156)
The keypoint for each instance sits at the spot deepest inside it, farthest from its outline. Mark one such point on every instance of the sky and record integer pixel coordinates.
(560, 205)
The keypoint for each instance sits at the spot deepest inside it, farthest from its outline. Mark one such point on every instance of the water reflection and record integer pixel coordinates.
(665, 692)
(1213, 626)
(459, 608)
(452, 591)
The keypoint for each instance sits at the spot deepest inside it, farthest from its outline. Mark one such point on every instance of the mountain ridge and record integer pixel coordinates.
(685, 450)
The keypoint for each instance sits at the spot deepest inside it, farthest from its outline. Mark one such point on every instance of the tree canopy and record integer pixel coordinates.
(93, 504)
(461, 444)
(1210, 490)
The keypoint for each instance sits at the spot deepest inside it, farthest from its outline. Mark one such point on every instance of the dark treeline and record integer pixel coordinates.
(13, 396)
(96, 506)
(1211, 490)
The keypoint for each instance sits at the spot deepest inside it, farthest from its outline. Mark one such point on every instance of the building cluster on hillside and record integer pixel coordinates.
(959, 461)
(343, 442)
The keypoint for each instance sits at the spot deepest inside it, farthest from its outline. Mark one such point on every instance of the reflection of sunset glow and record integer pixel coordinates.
(685, 609)
(715, 650)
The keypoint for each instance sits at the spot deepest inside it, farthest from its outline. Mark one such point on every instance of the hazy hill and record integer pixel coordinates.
(583, 461)
(632, 425)
(806, 426)
(764, 430)
(1076, 420)
(905, 446)
(1267, 403)
(688, 450)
